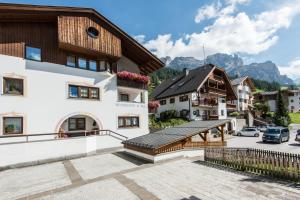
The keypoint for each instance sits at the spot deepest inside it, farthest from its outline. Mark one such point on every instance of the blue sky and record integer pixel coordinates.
(257, 30)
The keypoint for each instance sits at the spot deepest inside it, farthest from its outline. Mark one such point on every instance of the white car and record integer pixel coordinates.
(248, 132)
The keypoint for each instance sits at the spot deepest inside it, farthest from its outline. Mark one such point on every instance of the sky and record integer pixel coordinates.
(257, 30)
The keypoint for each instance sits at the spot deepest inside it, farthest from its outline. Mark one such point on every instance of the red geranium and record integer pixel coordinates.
(133, 76)
(153, 104)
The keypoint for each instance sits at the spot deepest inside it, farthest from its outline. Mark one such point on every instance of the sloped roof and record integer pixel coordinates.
(191, 82)
(183, 84)
(130, 47)
(240, 80)
(171, 135)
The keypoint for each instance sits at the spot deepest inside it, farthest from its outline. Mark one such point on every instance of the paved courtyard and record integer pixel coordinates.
(118, 176)
(256, 142)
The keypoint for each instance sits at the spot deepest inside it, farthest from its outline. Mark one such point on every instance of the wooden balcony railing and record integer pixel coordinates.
(205, 102)
(230, 105)
(131, 84)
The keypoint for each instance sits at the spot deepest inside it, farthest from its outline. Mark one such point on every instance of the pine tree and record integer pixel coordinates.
(281, 117)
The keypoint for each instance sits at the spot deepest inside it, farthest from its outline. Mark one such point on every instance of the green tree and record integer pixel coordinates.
(263, 108)
(281, 117)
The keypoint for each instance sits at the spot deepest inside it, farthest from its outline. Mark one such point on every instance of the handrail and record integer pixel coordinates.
(63, 135)
(110, 131)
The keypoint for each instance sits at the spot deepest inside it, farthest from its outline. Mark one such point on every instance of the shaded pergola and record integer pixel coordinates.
(177, 138)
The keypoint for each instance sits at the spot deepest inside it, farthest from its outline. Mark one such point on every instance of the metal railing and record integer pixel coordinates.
(11, 139)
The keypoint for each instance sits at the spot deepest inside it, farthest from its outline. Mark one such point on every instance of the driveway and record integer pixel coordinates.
(119, 176)
(256, 142)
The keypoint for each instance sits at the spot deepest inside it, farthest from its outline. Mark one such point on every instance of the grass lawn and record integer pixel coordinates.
(295, 117)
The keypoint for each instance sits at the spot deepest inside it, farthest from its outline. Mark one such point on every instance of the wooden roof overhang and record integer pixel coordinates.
(231, 95)
(153, 143)
(250, 84)
(146, 61)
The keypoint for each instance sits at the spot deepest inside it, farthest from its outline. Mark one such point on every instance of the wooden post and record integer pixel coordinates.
(222, 133)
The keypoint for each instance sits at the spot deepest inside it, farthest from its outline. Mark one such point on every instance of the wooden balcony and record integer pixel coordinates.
(205, 102)
(231, 106)
(213, 117)
(131, 84)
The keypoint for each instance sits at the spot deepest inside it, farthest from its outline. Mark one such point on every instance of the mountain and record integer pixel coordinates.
(297, 81)
(234, 65)
(179, 63)
(267, 71)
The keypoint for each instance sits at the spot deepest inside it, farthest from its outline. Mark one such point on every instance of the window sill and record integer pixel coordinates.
(121, 128)
(13, 95)
(87, 99)
(134, 102)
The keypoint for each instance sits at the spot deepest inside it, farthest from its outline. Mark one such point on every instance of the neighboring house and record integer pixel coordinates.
(59, 70)
(243, 87)
(198, 94)
(291, 99)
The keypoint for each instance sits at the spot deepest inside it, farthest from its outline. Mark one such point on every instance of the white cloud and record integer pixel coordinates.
(140, 38)
(292, 70)
(231, 32)
(217, 10)
(207, 12)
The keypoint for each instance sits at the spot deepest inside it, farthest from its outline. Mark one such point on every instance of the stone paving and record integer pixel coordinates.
(111, 176)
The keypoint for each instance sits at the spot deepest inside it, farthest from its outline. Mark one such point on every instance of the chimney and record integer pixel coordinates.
(185, 71)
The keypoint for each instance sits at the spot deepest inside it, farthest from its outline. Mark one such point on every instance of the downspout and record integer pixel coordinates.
(190, 117)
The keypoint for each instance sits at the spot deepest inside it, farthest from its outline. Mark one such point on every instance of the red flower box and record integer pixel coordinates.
(133, 77)
(153, 104)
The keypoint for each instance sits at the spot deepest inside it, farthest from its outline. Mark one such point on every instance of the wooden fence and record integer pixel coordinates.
(263, 162)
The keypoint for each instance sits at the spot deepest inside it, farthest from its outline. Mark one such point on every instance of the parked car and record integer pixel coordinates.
(276, 134)
(262, 128)
(298, 136)
(248, 132)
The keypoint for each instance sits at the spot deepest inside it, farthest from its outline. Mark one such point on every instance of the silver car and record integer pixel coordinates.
(248, 132)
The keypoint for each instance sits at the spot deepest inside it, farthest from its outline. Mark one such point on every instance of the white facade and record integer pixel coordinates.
(195, 112)
(245, 98)
(45, 105)
(294, 102)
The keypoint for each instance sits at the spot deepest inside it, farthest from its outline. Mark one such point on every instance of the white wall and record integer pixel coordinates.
(242, 106)
(295, 103)
(272, 105)
(45, 104)
(177, 105)
(12, 154)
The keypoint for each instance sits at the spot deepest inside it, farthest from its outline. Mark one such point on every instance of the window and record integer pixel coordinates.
(92, 65)
(73, 91)
(76, 124)
(94, 93)
(222, 112)
(103, 66)
(82, 63)
(83, 92)
(162, 102)
(32, 53)
(127, 122)
(12, 125)
(124, 97)
(183, 98)
(292, 100)
(71, 61)
(172, 100)
(12, 86)
(92, 32)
